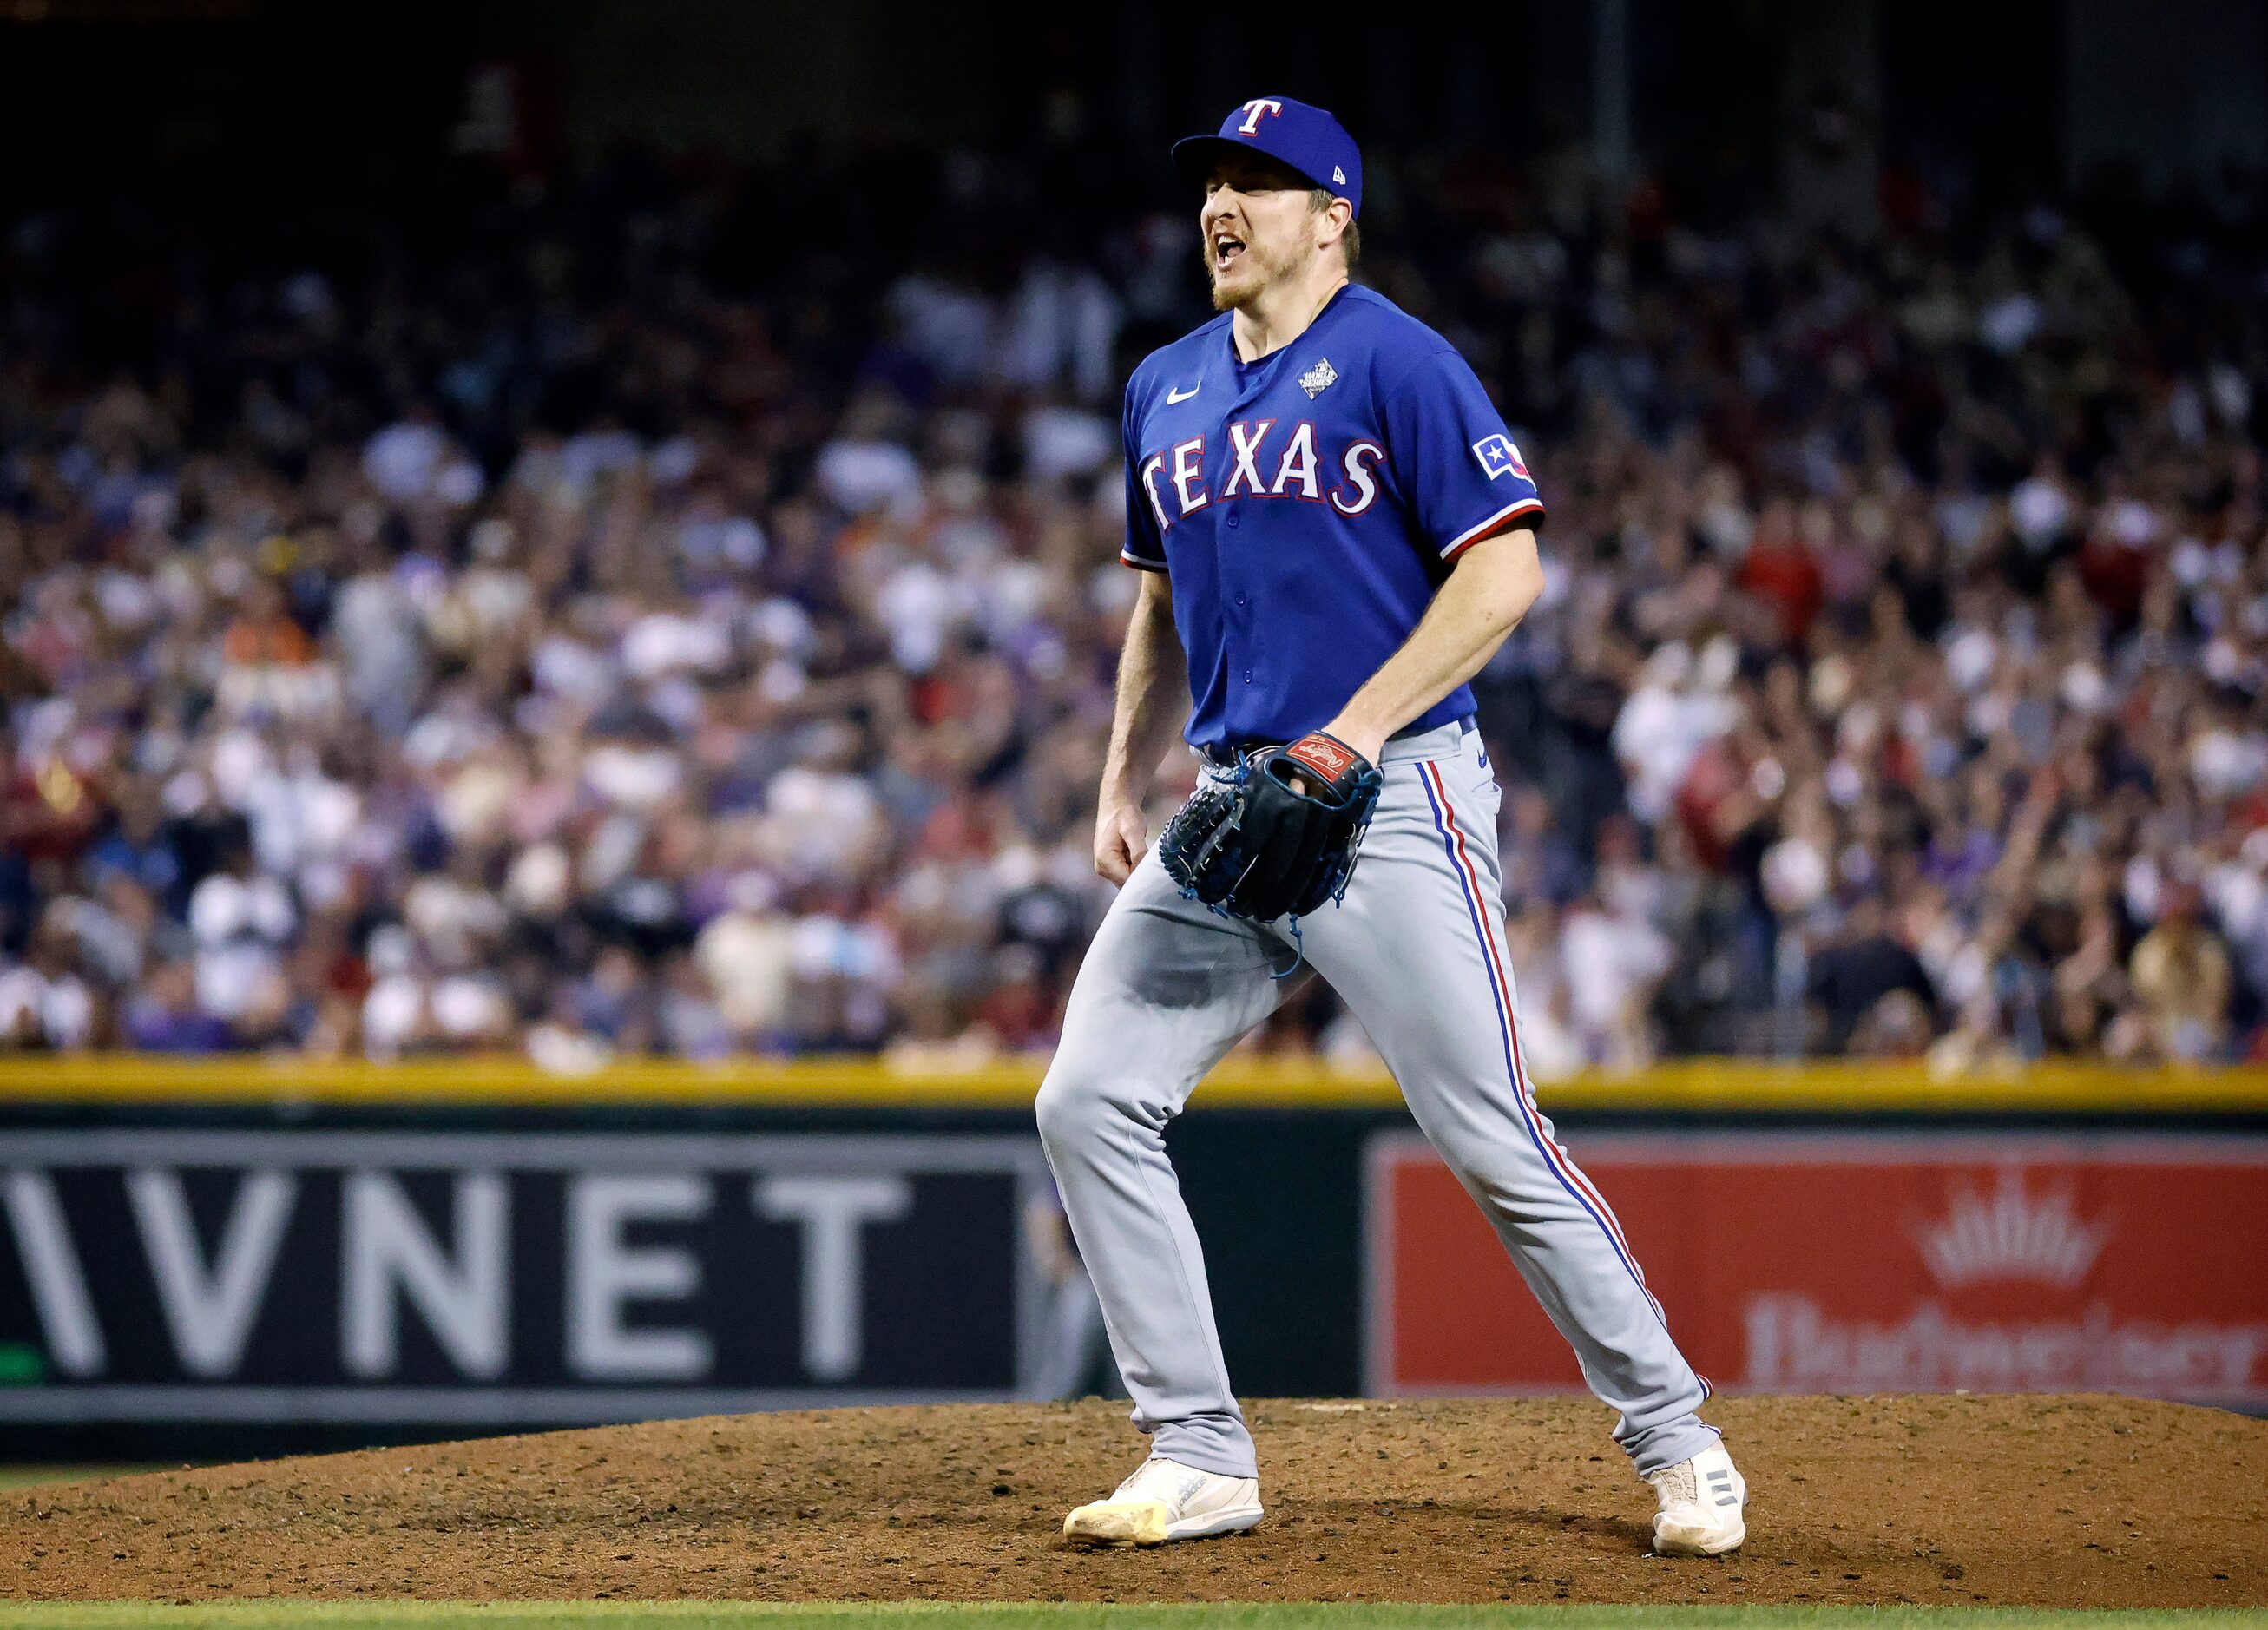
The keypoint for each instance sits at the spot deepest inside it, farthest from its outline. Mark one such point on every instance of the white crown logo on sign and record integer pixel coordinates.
(1316, 379)
(2013, 1235)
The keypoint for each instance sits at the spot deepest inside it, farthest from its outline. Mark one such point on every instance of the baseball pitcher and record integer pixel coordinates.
(1334, 533)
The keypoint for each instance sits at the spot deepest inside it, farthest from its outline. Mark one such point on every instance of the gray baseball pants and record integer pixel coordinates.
(1417, 951)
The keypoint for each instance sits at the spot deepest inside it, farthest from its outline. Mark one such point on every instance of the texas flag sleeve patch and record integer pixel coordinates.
(1499, 457)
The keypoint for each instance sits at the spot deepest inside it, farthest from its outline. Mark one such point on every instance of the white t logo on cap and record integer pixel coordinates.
(1253, 109)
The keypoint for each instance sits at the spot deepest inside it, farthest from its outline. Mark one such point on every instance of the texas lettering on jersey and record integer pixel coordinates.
(1308, 506)
(1176, 479)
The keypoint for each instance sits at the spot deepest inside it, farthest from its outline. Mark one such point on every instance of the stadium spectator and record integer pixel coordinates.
(597, 631)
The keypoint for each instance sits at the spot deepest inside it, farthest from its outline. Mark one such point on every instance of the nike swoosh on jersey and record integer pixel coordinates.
(1172, 395)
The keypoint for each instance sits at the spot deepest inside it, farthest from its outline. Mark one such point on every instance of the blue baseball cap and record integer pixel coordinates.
(1308, 139)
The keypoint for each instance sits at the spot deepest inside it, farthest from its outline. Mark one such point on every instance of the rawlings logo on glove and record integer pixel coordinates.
(1279, 836)
(1321, 752)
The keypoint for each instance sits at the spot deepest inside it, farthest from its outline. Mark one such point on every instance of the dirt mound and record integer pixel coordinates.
(2072, 1501)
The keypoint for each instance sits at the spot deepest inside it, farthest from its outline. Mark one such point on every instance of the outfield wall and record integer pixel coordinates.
(246, 1256)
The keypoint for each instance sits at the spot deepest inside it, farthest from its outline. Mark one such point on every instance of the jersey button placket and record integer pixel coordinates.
(1232, 565)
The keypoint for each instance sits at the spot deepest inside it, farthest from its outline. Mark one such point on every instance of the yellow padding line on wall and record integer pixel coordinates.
(1710, 1084)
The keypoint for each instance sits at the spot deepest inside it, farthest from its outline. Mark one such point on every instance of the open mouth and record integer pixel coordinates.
(1226, 248)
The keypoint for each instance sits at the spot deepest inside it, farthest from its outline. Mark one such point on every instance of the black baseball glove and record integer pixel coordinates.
(1255, 845)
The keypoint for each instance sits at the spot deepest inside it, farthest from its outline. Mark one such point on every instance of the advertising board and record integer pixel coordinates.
(1858, 1262)
(372, 1278)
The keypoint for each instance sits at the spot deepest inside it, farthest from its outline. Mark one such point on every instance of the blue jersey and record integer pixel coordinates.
(1308, 506)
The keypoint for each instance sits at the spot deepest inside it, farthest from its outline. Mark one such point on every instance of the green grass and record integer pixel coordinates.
(32, 1477)
(1025, 1616)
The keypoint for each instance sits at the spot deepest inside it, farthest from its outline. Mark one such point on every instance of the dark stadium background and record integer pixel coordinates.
(632, 471)
(222, 95)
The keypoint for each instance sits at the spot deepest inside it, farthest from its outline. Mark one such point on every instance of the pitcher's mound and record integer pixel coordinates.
(2063, 1502)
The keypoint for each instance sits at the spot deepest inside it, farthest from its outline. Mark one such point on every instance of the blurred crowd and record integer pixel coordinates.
(661, 614)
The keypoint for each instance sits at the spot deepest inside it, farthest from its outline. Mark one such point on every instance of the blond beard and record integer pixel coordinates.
(1272, 272)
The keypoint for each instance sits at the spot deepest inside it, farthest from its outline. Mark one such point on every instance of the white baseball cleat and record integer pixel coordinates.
(1165, 1499)
(1701, 1501)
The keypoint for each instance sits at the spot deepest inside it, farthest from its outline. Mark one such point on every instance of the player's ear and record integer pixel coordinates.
(1332, 222)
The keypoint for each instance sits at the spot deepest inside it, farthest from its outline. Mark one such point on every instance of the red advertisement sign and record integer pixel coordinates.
(1860, 1262)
